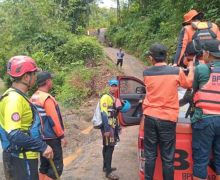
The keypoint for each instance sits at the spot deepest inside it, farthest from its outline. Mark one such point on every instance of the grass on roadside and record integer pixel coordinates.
(2, 87)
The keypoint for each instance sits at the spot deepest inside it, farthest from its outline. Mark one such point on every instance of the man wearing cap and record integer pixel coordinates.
(52, 125)
(192, 22)
(206, 118)
(161, 108)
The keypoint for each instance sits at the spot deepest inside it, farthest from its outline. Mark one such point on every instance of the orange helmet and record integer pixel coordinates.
(19, 65)
(190, 15)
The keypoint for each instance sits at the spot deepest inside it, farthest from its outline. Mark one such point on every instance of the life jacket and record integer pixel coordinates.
(38, 99)
(203, 33)
(34, 130)
(208, 97)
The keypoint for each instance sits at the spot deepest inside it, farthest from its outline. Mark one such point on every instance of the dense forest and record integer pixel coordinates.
(142, 22)
(53, 32)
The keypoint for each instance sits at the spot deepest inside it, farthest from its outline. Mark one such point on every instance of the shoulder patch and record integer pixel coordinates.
(104, 104)
(15, 116)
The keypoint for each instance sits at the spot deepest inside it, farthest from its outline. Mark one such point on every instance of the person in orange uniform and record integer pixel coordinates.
(52, 127)
(161, 108)
(192, 22)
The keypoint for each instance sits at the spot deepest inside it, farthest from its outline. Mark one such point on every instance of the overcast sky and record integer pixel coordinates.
(108, 4)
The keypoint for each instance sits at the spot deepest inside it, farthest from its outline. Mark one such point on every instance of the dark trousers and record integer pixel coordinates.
(162, 133)
(45, 167)
(119, 62)
(7, 165)
(16, 168)
(205, 138)
(107, 152)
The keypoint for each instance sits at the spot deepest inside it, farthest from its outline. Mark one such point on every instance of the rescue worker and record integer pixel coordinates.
(19, 123)
(120, 56)
(161, 108)
(52, 128)
(109, 107)
(189, 36)
(206, 118)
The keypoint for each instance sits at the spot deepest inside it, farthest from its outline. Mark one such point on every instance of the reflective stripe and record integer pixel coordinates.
(52, 128)
(208, 97)
(42, 114)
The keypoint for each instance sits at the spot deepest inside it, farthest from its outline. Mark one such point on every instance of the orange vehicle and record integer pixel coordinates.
(133, 89)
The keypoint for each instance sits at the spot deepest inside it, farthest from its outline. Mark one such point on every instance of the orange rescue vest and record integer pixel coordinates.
(48, 124)
(208, 97)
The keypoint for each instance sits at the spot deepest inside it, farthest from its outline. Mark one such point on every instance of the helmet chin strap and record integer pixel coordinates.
(28, 84)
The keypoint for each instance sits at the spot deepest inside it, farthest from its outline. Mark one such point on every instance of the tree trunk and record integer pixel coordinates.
(118, 12)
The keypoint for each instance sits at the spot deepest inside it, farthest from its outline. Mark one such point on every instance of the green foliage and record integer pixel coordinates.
(46, 62)
(101, 17)
(49, 41)
(51, 32)
(79, 49)
(76, 86)
(146, 22)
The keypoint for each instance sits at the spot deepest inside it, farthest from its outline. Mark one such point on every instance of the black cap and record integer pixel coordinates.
(43, 76)
(158, 51)
(213, 46)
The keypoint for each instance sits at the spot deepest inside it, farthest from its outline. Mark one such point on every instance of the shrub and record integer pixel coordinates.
(75, 87)
(85, 49)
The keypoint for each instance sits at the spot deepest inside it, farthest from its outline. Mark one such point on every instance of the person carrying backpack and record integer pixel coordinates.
(109, 107)
(52, 125)
(206, 118)
(19, 131)
(193, 34)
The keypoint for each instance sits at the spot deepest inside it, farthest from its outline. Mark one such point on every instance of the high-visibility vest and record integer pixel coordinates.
(208, 97)
(48, 131)
(34, 130)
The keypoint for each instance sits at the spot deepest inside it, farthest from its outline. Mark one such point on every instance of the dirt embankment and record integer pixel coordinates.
(83, 159)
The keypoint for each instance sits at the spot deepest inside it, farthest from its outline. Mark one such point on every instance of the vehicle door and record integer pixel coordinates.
(133, 90)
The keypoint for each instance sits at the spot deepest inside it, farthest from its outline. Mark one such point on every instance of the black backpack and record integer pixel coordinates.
(202, 34)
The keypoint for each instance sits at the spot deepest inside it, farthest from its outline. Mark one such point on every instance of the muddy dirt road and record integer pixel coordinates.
(86, 162)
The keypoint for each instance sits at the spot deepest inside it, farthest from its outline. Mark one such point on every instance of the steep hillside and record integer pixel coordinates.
(145, 22)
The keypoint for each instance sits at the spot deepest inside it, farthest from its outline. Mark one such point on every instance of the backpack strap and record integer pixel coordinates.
(214, 36)
(209, 24)
(21, 93)
(2, 97)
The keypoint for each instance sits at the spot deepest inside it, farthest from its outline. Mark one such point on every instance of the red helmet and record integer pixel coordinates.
(19, 65)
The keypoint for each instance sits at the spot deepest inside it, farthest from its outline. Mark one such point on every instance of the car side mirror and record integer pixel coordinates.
(141, 90)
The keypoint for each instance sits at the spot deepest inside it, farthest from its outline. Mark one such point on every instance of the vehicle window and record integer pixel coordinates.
(128, 86)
